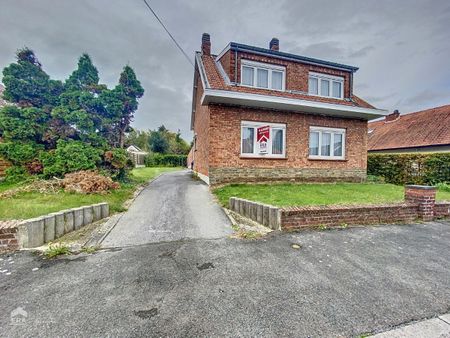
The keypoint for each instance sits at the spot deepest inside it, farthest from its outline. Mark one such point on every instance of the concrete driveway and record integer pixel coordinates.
(172, 207)
(340, 283)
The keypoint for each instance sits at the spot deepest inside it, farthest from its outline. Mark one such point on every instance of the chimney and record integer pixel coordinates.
(392, 117)
(274, 44)
(206, 44)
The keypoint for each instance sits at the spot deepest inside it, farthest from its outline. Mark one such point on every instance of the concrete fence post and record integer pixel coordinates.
(97, 209)
(105, 209)
(31, 233)
(68, 221)
(59, 223)
(49, 228)
(425, 197)
(77, 218)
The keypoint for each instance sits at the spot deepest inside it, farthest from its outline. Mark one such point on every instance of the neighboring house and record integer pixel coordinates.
(137, 155)
(423, 131)
(264, 115)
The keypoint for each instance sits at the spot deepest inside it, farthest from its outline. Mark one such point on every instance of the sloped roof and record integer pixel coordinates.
(428, 127)
(216, 81)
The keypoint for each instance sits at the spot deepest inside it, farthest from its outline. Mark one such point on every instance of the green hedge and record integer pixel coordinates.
(418, 168)
(168, 160)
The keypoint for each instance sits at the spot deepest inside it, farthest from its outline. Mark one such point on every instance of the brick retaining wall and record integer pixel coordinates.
(419, 204)
(298, 217)
(442, 209)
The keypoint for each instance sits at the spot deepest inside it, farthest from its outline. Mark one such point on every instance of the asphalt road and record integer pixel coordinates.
(172, 207)
(339, 283)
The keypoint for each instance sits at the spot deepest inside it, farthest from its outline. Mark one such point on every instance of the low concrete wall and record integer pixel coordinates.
(264, 214)
(35, 232)
(419, 204)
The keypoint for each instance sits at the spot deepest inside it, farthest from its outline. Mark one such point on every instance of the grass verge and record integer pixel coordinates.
(316, 194)
(33, 204)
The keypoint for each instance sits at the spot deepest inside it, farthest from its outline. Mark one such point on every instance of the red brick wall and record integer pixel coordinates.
(296, 72)
(442, 209)
(425, 197)
(3, 166)
(8, 235)
(201, 129)
(295, 218)
(225, 136)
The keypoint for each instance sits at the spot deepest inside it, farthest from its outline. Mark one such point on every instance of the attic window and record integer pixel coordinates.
(262, 75)
(326, 85)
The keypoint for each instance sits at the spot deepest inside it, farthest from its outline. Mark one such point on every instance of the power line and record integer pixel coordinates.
(167, 31)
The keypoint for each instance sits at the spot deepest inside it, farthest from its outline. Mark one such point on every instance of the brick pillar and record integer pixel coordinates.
(425, 197)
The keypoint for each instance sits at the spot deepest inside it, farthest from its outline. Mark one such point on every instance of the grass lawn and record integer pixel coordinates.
(32, 204)
(316, 194)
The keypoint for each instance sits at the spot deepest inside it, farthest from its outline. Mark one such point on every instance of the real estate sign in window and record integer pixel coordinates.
(259, 139)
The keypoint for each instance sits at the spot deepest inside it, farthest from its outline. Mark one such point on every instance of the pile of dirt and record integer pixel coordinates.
(87, 182)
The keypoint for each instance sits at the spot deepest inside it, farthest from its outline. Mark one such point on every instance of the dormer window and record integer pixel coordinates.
(262, 75)
(326, 85)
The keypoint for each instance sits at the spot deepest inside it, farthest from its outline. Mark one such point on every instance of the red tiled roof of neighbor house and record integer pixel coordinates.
(429, 127)
(216, 81)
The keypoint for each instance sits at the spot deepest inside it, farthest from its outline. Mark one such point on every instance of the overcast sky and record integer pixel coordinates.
(401, 47)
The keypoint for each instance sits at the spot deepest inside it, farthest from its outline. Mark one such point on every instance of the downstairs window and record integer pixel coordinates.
(260, 139)
(326, 143)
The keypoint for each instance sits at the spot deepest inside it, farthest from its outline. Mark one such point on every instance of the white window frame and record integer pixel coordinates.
(255, 125)
(331, 79)
(332, 131)
(266, 66)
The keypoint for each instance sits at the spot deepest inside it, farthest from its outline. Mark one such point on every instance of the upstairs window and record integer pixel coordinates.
(326, 143)
(260, 139)
(326, 85)
(262, 75)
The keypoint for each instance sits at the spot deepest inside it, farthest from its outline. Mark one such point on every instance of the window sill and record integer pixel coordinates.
(326, 159)
(263, 88)
(327, 97)
(249, 157)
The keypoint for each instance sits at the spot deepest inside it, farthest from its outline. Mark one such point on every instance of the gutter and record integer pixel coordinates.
(289, 104)
(233, 46)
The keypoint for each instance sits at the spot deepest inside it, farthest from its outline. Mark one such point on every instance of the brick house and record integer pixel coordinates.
(423, 131)
(264, 115)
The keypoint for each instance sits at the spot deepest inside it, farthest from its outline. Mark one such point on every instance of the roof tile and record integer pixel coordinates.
(424, 128)
(216, 81)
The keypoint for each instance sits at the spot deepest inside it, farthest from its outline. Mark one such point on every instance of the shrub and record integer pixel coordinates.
(419, 168)
(117, 163)
(163, 160)
(443, 187)
(16, 174)
(19, 153)
(69, 156)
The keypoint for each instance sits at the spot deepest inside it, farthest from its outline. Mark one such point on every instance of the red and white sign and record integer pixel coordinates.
(262, 137)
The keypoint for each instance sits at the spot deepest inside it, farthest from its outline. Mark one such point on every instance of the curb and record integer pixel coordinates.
(230, 217)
